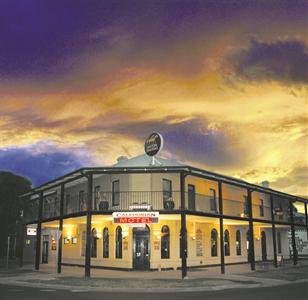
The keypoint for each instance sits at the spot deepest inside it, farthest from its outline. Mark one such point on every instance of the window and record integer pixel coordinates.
(246, 206)
(105, 243)
(116, 193)
(167, 189)
(214, 242)
(82, 201)
(238, 243)
(279, 242)
(94, 239)
(261, 207)
(227, 243)
(191, 197)
(119, 242)
(213, 204)
(96, 196)
(67, 203)
(165, 242)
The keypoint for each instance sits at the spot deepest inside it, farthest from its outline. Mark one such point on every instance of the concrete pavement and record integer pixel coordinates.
(166, 281)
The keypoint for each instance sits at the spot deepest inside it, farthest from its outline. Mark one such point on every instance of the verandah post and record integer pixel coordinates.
(221, 229)
(88, 230)
(39, 233)
(251, 238)
(293, 233)
(273, 231)
(183, 227)
(60, 228)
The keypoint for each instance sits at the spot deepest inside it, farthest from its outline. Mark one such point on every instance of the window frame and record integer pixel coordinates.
(213, 200)
(190, 206)
(238, 242)
(227, 249)
(115, 193)
(105, 242)
(165, 242)
(119, 243)
(214, 246)
(261, 207)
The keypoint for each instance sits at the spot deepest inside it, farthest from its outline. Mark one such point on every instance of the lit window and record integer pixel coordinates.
(214, 242)
(165, 242)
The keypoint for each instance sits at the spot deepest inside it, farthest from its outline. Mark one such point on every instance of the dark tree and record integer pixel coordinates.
(11, 187)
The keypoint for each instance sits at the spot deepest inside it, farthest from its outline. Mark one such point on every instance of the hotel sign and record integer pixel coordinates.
(153, 144)
(135, 217)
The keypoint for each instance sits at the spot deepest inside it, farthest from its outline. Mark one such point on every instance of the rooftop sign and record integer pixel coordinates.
(153, 144)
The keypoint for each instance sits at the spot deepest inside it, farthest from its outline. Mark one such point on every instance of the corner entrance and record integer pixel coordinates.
(141, 248)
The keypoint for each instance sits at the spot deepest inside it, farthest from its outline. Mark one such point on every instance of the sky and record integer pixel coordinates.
(225, 83)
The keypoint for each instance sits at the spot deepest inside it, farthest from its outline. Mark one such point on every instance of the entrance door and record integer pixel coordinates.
(263, 246)
(141, 248)
(45, 252)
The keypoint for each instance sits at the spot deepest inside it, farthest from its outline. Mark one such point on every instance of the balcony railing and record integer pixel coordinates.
(145, 200)
(136, 200)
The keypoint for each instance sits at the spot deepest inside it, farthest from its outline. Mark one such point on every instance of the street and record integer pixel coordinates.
(296, 291)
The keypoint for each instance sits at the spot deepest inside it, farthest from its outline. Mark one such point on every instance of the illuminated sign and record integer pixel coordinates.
(153, 144)
(135, 217)
(31, 231)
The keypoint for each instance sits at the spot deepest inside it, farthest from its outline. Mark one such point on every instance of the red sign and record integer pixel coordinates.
(135, 217)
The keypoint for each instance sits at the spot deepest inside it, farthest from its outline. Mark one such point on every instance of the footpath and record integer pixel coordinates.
(123, 281)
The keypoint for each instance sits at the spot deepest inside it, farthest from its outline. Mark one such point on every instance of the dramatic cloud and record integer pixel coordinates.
(282, 61)
(294, 181)
(41, 162)
(82, 84)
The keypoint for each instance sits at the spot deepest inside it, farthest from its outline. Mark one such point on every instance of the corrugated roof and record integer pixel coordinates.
(146, 161)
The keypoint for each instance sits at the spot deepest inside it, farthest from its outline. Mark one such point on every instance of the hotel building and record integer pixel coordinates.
(156, 214)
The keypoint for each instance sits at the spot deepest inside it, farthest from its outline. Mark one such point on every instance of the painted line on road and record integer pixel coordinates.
(15, 290)
(48, 290)
(79, 291)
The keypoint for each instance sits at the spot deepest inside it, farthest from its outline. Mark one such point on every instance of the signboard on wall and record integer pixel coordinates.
(31, 231)
(135, 217)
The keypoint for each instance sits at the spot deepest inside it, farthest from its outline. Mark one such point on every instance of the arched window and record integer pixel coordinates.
(105, 243)
(119, 242)
(227, 243)
(94, 243)
(165, 242)
(238, 243)
(214, 242)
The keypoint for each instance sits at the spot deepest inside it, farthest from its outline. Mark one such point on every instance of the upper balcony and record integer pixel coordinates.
(107, 202)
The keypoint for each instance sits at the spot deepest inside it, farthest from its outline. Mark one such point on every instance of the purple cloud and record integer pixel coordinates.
(38, 165)
(282, 61)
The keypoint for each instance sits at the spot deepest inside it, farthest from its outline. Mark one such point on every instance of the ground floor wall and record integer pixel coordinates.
(163, 249)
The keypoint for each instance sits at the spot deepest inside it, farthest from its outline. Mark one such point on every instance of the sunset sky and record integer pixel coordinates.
(225, 83)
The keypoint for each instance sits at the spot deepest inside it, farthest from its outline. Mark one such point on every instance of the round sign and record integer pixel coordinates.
(153, 144)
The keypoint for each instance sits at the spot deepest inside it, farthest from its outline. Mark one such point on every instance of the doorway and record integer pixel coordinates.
(45, 250)
(263, 246)
(141, 248)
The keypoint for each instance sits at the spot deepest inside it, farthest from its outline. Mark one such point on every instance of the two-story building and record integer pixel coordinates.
(141, 214)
